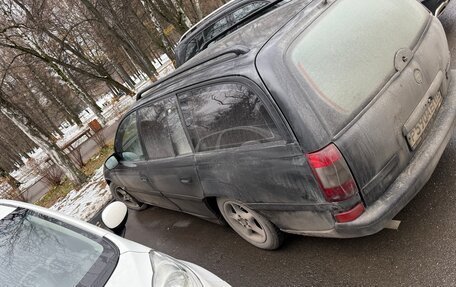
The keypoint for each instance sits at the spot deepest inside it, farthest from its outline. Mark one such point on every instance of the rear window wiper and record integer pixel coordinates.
(234, 27)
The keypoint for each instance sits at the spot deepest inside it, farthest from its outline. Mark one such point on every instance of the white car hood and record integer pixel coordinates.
(133, 269)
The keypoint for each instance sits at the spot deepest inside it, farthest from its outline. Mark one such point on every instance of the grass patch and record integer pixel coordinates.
(97, 161)
(59, 191)
(55, 193)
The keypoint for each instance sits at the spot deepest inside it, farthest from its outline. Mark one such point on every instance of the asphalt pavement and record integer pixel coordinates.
(448, 19)
(422, 252)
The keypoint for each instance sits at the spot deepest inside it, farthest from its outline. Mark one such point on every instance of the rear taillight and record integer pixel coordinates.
(332, 174)
(351, 214)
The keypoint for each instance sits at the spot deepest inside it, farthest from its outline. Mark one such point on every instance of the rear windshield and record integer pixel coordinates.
(36, 250)
(348, 53)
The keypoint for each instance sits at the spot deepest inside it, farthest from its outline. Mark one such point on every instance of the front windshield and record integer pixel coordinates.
(36, 250)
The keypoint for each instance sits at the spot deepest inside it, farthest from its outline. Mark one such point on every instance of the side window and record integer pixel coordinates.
(194, 47)
(129, 144)
(161, 130)
(246, 10)
(191, 49)
(217, 28)
(225, 116)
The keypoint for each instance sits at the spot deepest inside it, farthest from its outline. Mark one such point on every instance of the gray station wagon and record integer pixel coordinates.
(320, 118)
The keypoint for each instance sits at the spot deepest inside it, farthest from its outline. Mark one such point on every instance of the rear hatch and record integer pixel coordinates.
(375, 76)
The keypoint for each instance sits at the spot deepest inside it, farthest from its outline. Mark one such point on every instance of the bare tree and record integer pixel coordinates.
(99, 138)
(41, 139)
(58, 56)
(76, 156)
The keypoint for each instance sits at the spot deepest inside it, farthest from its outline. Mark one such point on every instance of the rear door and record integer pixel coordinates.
(243, 149)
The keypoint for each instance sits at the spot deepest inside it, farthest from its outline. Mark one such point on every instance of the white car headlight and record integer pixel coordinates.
(171, 273)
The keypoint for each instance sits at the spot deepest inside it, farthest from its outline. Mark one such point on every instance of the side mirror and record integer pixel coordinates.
(112, 162)
(115, 216)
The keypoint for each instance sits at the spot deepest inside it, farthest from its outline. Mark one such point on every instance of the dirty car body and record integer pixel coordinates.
(358, 113)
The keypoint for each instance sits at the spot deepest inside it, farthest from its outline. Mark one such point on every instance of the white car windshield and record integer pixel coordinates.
(36, 250)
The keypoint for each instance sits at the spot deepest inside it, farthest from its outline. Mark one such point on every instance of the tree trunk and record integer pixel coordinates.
(166, 45)
(26, 125)
(52, 123)
(126, 40)
(183, 17)
(70, 114)
(197, 6)
(45, 87)
(123, 74)
(84, 97)
(39, 53)
(14, 183)
(38, 106)
(105, 76)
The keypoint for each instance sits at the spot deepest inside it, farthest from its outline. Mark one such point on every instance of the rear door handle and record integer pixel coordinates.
(186, 180)
(143, 178)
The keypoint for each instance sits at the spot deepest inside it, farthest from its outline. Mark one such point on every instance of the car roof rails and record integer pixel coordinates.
(237, 50)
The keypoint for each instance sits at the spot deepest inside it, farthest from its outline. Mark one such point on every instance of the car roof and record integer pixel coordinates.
(232, 55)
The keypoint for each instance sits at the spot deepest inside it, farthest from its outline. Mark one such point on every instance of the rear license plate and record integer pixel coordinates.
(415, 136)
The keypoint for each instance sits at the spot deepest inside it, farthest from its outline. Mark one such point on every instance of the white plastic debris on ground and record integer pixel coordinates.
(86, 202)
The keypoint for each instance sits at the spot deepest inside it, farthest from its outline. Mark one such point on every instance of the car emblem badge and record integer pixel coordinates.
(402, 58)
(418, 76)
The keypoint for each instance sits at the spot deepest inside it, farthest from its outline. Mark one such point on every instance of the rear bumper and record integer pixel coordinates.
(411, 180)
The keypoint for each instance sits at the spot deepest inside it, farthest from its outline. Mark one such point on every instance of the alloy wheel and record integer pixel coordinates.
(244, 221)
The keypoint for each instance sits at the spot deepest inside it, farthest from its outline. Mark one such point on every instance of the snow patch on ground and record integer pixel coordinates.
(87, 201)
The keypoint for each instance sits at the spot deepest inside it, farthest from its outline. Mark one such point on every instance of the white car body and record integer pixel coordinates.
(134, 267)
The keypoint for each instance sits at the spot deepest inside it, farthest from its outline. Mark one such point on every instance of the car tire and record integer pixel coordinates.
(250, 225)
(120, 194)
